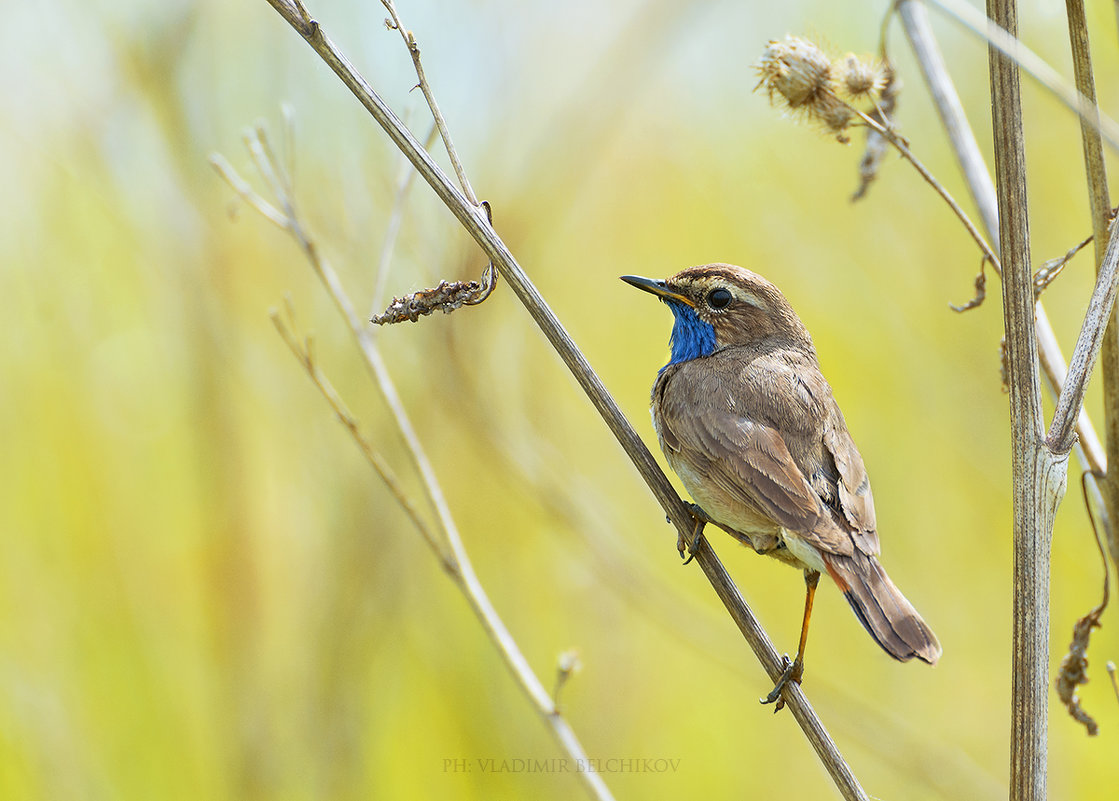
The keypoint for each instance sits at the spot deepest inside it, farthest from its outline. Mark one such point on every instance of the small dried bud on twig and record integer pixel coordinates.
(1052, 268)
(567, 666)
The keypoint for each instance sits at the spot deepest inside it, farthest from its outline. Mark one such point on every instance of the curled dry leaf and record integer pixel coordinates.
(1074, 670)
(978, 298)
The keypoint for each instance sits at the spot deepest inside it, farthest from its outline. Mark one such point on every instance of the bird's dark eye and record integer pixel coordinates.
(719, 298)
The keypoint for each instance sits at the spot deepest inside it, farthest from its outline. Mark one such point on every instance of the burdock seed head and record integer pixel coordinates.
(796, 70)
(799, 75)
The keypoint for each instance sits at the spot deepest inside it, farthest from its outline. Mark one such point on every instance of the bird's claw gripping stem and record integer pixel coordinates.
(793, 671)
(682, 544)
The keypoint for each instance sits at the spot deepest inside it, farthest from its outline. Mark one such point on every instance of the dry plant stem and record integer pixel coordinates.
(903, 149)
(1039, 473)
(1060, 437)
(458, 564)
(1100, 203)
(1007, 42)
(915, 20)
(304, 353)
(474, 221)
(425, 87)
(396, 217)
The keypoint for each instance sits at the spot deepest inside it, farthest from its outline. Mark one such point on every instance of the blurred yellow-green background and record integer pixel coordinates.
(205, 593)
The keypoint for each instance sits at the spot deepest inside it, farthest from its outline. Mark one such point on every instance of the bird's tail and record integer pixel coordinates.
(882, 609)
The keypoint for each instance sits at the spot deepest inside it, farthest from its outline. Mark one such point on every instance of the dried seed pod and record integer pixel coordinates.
(796, 70)
(858, 79)
(446, 297)
(800, 75)
(835, 114)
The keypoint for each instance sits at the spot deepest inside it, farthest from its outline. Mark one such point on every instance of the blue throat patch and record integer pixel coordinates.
(691, 337)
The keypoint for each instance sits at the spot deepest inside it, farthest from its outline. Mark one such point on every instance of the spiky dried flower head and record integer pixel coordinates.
(798, 74)
(796, 69)
(860, 78)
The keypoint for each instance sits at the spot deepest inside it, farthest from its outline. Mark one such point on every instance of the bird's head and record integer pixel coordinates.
(719, 306)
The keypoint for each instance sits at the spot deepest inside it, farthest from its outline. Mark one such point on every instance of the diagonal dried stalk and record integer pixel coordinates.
(304, 352)
(475, 222)
(451, 551)
(1100, 204)
(413, 46)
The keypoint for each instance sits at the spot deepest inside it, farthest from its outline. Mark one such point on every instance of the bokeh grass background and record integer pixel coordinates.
(206, 594)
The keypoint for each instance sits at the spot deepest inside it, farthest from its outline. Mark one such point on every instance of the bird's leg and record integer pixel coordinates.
(701, 519)
(794, 671)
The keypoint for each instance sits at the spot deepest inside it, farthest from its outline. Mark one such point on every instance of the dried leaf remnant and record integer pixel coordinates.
(876, 143)
(1052, 268)
(1074, 670)
(1074, 666)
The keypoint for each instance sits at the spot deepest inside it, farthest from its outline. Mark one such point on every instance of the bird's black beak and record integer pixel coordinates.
(658, 288)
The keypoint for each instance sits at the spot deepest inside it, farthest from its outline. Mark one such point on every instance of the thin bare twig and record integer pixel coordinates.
(1100, 205)
(475, 222)
(463, 571)
(303, 351)
(403, 185)
(246, 192)
(902, 148)
(1088, 345)
(425, 87)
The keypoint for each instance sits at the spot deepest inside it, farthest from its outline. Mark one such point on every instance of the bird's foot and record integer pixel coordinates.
(682, 544)
(793, 671)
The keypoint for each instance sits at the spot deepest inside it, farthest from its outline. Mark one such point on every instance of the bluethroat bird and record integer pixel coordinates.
(749, 423)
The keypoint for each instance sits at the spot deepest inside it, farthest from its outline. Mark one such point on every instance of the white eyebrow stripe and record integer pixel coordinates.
(748, 297)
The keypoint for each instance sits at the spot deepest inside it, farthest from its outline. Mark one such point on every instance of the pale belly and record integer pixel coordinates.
(747, 523)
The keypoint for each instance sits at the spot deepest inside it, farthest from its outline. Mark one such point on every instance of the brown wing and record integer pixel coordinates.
(856, 501)
(726, 438)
